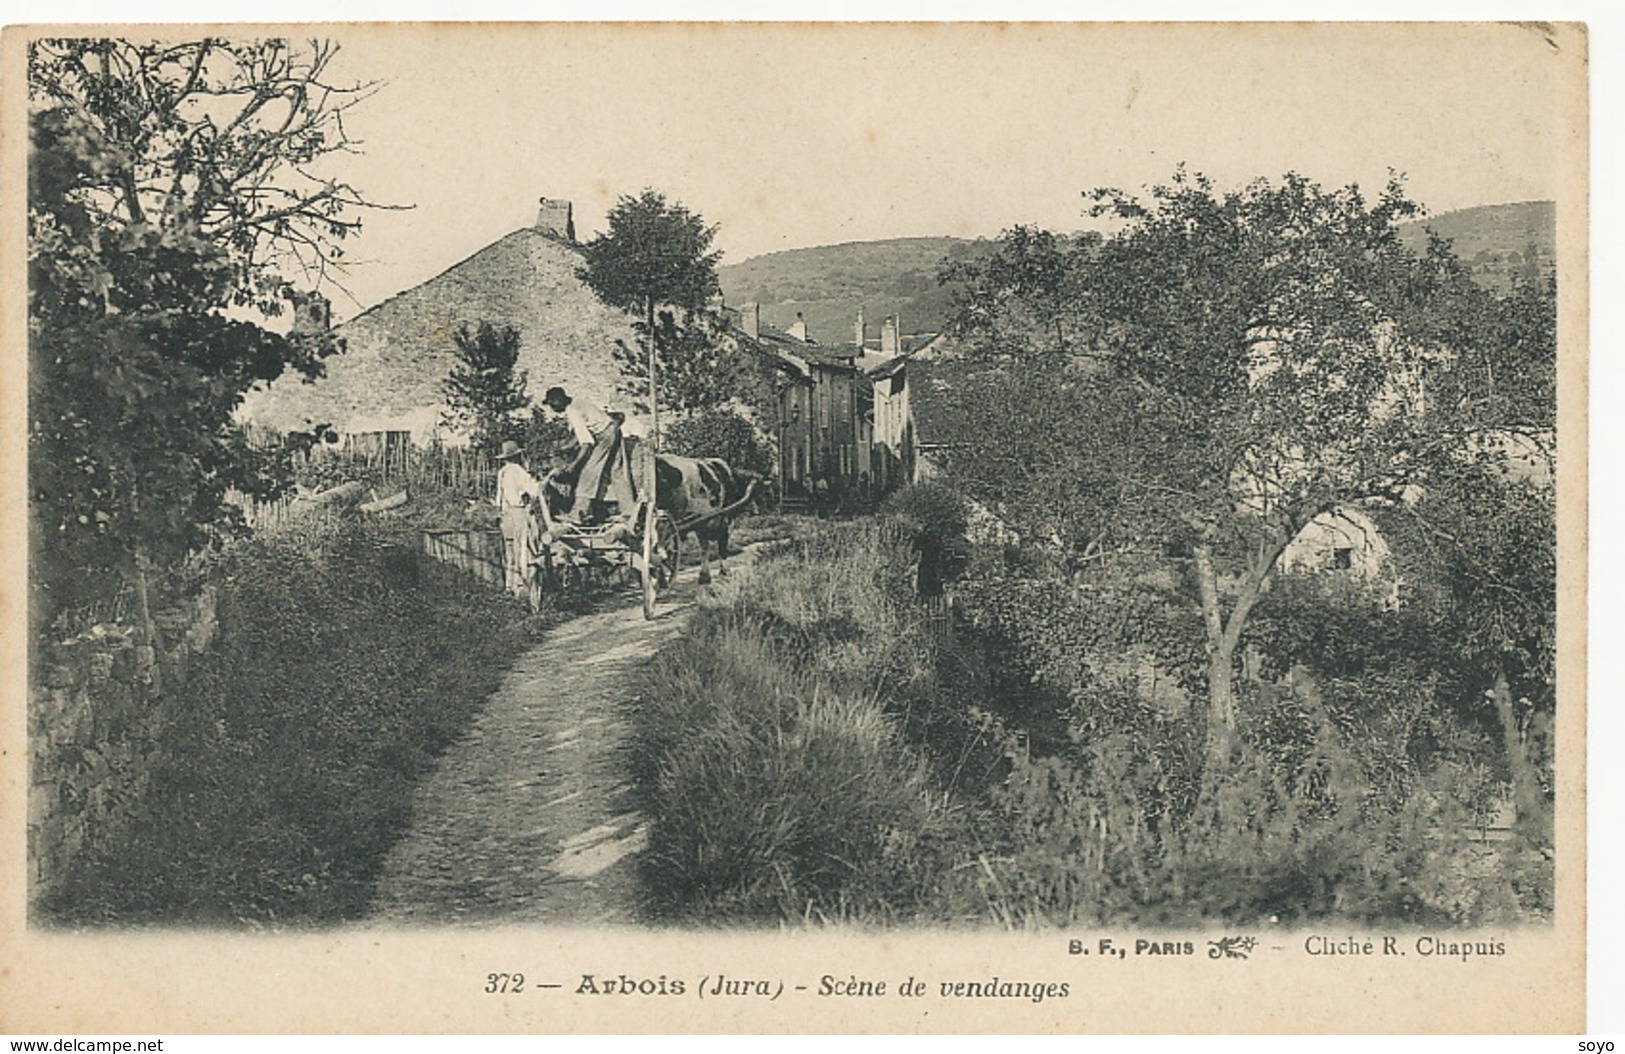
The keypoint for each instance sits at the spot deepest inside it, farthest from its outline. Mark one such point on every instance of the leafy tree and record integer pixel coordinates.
(701, 367)
(725, 434)
(1254, 358)
(657, 255)
(1485, 564)
(1023, 297)
(483, 391)
(548, 441)
(173, 189)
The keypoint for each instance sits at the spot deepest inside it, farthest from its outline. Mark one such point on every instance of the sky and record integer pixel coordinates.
(793, 136)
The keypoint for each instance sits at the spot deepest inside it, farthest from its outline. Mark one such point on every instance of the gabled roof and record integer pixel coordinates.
(885, 369)
(803, 356)
(766, 335)
(399, 352)
(835, 358)
(943, 345)
(773, 335)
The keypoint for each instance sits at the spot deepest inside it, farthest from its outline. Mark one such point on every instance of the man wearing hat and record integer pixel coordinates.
(599, 474)
(516, 490)
(586, 423)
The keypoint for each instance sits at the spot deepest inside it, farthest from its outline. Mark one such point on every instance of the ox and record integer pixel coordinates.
(696, 492)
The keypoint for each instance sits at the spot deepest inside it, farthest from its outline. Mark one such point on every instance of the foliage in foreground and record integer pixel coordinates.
(167, 203)
(345, 665)
(811, 752)
(778, 785)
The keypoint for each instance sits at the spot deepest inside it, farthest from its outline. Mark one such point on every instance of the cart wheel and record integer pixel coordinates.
(575, 579)
(544, 580)
(668, 549)
(534, 587)
(563, 577)
(660, 551)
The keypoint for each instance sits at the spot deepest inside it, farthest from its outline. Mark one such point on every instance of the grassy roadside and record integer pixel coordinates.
(809, 753)
(346, 662)
(779, 785)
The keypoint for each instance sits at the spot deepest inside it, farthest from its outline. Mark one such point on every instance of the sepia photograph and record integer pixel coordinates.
(940, 525)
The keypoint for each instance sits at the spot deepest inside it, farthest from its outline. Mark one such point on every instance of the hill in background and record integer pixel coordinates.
(829, 283)
(399, 351)
(1496, 242)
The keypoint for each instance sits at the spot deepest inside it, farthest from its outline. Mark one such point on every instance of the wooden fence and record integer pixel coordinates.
(939, 617)
(477, 552)
(386, 456)
(396, 467)
(387, 462)
(380, 458)
(261, 515)
(452, 468)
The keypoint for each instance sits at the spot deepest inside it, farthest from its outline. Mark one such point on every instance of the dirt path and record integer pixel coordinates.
(529, 817)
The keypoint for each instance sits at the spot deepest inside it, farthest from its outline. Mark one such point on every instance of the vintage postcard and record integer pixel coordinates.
(727, 527)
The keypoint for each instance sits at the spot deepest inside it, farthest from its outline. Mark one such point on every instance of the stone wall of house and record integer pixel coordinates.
(96, 720)
(398, 353)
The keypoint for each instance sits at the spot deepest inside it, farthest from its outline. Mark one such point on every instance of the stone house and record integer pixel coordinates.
(387, 382)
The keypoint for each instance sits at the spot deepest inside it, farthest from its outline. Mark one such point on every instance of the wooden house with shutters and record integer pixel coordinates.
(824, 412)
(846, 424)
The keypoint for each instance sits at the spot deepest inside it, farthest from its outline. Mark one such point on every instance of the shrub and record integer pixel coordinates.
(484, 391)
(548, 441)
(773, 796)
(935, 509)
(811, 751)
(721, 433)
(773, 761)
(1115, 830)
(937, 517)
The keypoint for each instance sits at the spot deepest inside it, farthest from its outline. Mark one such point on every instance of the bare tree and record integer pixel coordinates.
(228, 141)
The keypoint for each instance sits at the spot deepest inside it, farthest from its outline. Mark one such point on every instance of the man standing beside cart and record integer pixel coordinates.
(517, 490)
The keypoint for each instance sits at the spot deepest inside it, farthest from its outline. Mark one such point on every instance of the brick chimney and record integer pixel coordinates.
(750, 320)
(858, 331)
(556, 219)
(798, 328)
(890, 345)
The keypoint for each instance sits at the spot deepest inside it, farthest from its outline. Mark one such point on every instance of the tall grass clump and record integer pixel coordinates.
(1100, 838)
(344, 665)
(779, 786)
